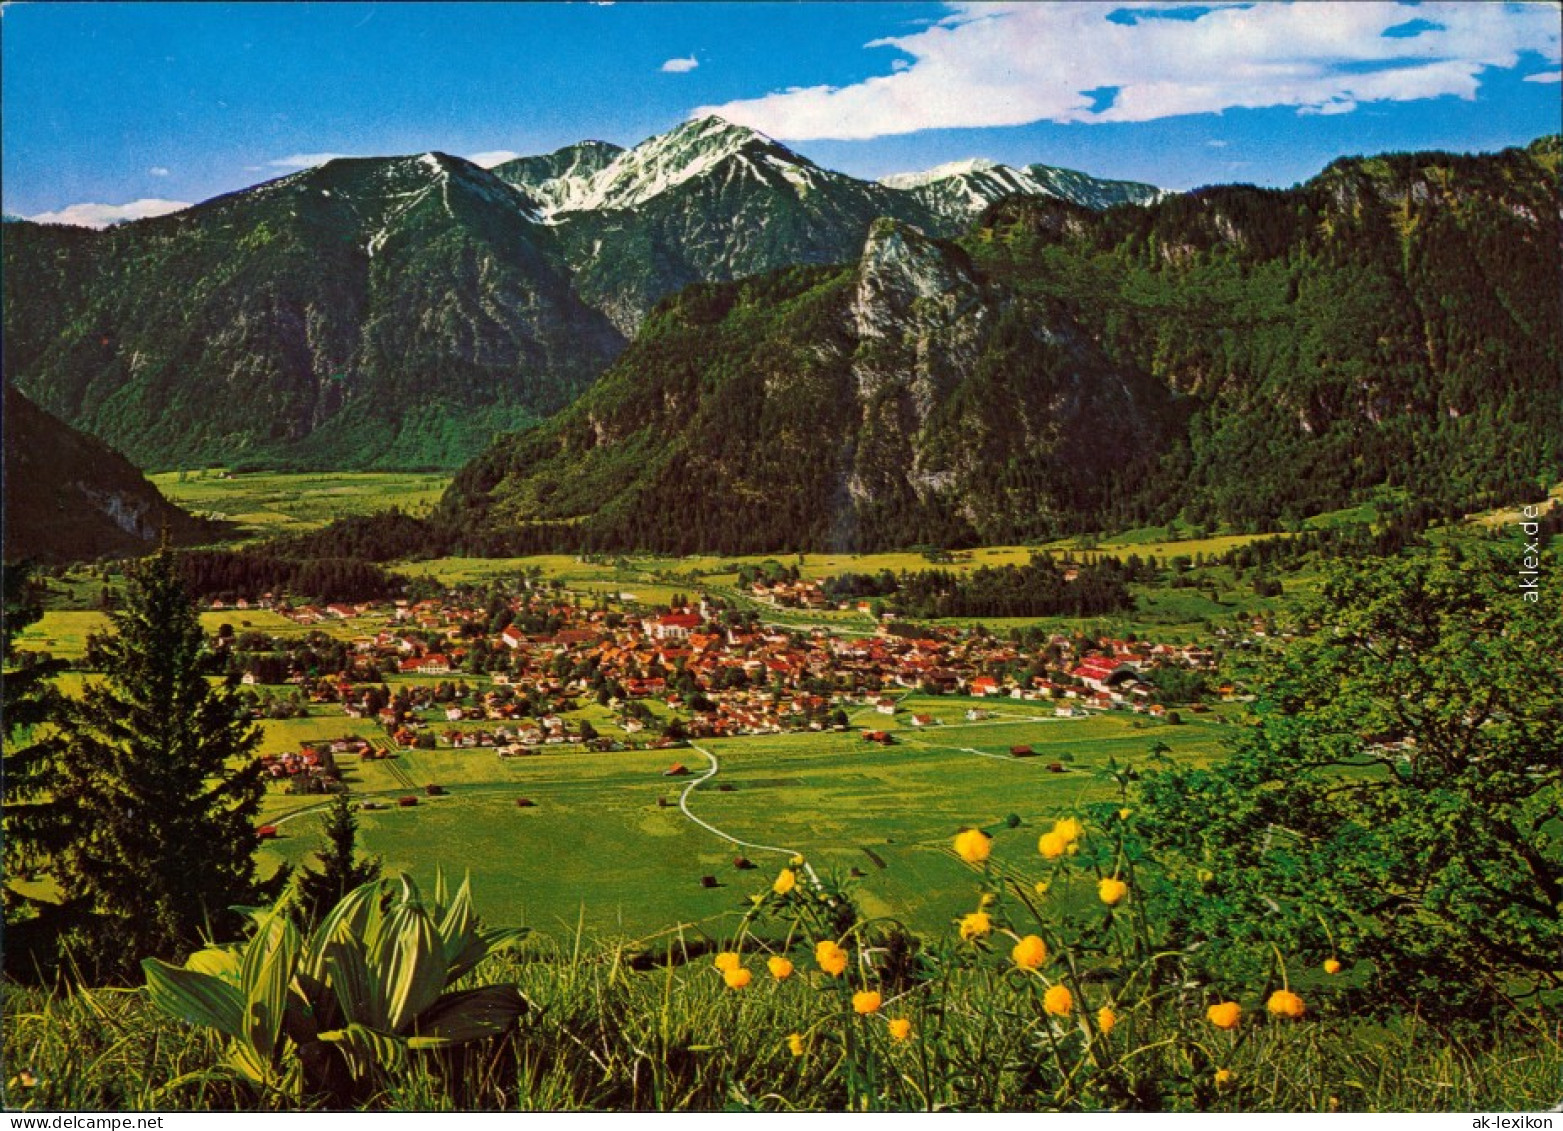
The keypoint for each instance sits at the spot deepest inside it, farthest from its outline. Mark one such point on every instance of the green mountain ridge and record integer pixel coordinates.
(399, 312)
(1236, 355)
(367, 313)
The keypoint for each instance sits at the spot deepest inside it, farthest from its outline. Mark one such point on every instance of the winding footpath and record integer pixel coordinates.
(711, 772)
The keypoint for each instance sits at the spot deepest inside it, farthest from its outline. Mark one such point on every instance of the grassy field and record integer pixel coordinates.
(63, 632)
(266, 504)
(596, 849)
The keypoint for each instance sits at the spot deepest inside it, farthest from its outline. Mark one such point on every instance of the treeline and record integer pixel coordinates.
(231, 574)
(1040, 588)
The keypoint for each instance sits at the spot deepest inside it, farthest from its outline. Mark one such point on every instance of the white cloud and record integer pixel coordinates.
(1545, 76)
(680, 66)
(1008, 64)
(492, 157)
(158, 171)
(305, 160)
(102, 215)
(1216, 143)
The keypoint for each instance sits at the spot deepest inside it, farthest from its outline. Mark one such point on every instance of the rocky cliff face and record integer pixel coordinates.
(904, 399)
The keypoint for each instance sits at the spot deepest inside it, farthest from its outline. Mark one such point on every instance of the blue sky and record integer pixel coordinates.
(119, 106)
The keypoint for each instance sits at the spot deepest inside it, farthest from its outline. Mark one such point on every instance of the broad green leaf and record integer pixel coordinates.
(489, 941)
(470, 1015)
(269, 960)
(220, 962)
(194, 998)
(459, 924)
(352, 915)
(369, 1046)
(441, 892)
(358, 995)
(414, 974)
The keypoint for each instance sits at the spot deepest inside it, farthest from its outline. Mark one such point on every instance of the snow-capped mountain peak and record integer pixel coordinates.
(939, 173)
(684, 153)
(960, 190)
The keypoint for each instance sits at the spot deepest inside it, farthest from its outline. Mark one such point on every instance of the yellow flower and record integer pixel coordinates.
(796, 861)
(1225, 1015)
(1332, 966)
(1123, 814)
(795, 1043)
(973, 846)
(785, 882)
(987, 899)
(1105, 1020)
(975, 925)
(1069, 828)
(780, 968)
(1111, 891)
(1058, 1000)
(737, 978)
(900, 1028)
(831, 958)
(1223, 1077)
(866, 1001)
(1284, 1003)
(1041, 886)
(1029, 953)
(727, 960)
(1052, 845)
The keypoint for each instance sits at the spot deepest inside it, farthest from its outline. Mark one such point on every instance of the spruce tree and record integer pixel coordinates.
(157, 772)
(30, 700)
(340, 869)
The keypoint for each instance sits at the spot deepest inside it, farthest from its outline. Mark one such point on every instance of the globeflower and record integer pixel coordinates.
(1070, 829)
(1284, 1003)
(1225, 1015)
(831, 958)
(866, 1001)
(1111, 891)
(1058, 1000)
(1105, 1020)
(975, 925)
(1029, 953)
(737, 978)
(785, 882)
(781, 968)
(727, 960)
(973, 846)
(1052, 845)
(1223, 1077)
(795, 1043)
(900, 1028)
(1332, 966)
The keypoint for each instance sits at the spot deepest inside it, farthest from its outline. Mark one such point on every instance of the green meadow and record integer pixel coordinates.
(266, 504)
(596, 850)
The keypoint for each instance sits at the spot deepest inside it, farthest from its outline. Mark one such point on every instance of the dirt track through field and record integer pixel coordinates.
(711, 772)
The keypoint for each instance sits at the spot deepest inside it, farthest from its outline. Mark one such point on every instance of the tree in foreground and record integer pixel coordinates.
(30, 700)
(1399, 801)
(157, 775)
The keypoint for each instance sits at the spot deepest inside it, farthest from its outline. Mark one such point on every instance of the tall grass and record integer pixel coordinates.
(606, 1033)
